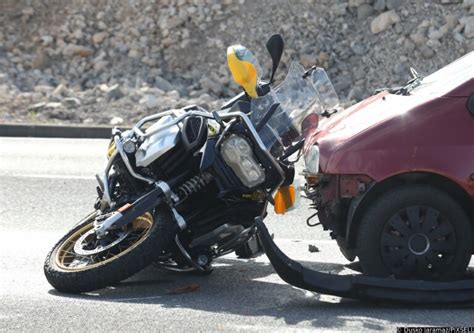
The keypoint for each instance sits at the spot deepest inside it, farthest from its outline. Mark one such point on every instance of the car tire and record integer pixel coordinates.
(415, 232)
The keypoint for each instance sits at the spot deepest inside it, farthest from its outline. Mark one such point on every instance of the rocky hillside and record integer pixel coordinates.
(111, 62)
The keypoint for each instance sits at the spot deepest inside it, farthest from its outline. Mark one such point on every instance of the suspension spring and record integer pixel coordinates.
(194, 185)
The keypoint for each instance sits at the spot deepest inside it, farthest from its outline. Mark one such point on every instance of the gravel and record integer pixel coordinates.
(99, 61)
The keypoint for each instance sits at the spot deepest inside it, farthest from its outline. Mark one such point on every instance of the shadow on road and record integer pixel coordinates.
(250, 288)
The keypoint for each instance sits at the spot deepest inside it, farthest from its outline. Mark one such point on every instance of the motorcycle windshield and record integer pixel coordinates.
(298, 97)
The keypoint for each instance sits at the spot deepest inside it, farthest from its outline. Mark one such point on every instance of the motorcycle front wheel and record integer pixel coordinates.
(80, 262)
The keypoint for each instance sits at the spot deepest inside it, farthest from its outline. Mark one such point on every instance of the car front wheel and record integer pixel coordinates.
(415, 232)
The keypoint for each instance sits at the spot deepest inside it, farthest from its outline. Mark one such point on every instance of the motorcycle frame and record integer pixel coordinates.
(103, 179)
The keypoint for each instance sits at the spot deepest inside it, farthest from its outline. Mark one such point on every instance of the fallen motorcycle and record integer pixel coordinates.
(184, 187)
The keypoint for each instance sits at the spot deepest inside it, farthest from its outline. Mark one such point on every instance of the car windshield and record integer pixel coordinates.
(298, 97)
(447, 78)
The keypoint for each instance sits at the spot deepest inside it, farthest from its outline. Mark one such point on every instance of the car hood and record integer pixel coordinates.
(374, 111)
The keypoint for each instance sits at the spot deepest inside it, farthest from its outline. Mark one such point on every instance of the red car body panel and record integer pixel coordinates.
(387, 134)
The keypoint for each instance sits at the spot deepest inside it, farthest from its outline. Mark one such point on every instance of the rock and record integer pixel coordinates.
(384, 21)
(313, 248)
(355, 94)
(356, 3)
(418, 38)
(47, 40)
(364, 11)
(150, 101)
(162, 84)
(174, 94)
(427, 52)
(3, 78)
(72, 50)
(43, 89)
(99, 37)
(40, 60)
(52, 105)
(379, 5)
(307, 60)
(358, 48)
(115, 121)
(339, 9)
(451, 21)
(100, 65)
(72, 102)
(400, 69)
(436, 34)
(113, 93)
(468, 3)
(393, 4)
(37, 106)
(458, 37)
(58, 91)
(134, 54)
(210, 85)
(468, 23)
(27, 13)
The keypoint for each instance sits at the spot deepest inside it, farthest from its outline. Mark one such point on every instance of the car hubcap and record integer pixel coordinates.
(418, 242)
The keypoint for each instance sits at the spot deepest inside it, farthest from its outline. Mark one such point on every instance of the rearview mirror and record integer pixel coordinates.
(244, 68)
(275, 48)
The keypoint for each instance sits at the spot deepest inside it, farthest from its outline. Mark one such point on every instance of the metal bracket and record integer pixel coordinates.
(171, 199)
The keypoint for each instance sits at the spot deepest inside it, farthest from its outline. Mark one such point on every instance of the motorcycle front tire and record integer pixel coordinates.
(122, 265)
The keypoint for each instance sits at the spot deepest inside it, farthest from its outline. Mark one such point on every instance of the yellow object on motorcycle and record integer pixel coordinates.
(285, 199)
(244, 68)
(111, 149)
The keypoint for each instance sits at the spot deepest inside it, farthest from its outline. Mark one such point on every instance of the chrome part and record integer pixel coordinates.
(202, 260)
(119, 145)
(103, 180)
(186, 255)
(179, 219)
(170, 196)
(171, 199)
(311, 160)
(159, 143)
(79, 245)
(106, 200)
(129, 146)
(173, 268)
(101, 227)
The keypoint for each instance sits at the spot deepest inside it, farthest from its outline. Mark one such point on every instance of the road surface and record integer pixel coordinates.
(46, 185)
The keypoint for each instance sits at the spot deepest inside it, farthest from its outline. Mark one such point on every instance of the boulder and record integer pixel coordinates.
(72, 50)
(384, 21)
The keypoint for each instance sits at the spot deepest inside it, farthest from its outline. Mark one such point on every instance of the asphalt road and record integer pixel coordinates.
(46, 185)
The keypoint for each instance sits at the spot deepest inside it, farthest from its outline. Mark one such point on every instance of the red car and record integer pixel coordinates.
(395, 183)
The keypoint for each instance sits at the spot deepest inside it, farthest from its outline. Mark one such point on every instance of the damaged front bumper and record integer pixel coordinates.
(360, 286)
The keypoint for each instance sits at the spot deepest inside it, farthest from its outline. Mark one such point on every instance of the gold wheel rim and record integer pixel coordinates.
(66, 258)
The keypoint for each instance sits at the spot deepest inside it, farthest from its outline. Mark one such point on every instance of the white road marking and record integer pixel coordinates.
(45, 176)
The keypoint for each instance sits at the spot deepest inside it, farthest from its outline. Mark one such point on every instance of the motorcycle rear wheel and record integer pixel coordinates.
(80, 263)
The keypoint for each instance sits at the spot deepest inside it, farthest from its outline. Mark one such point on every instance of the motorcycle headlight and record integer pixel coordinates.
(311, 160)
(238, 154)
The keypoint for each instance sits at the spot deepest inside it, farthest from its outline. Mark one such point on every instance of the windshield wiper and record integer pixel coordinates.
(414, 82)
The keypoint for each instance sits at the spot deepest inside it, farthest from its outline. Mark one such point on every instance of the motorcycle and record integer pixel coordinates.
(186, 186)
